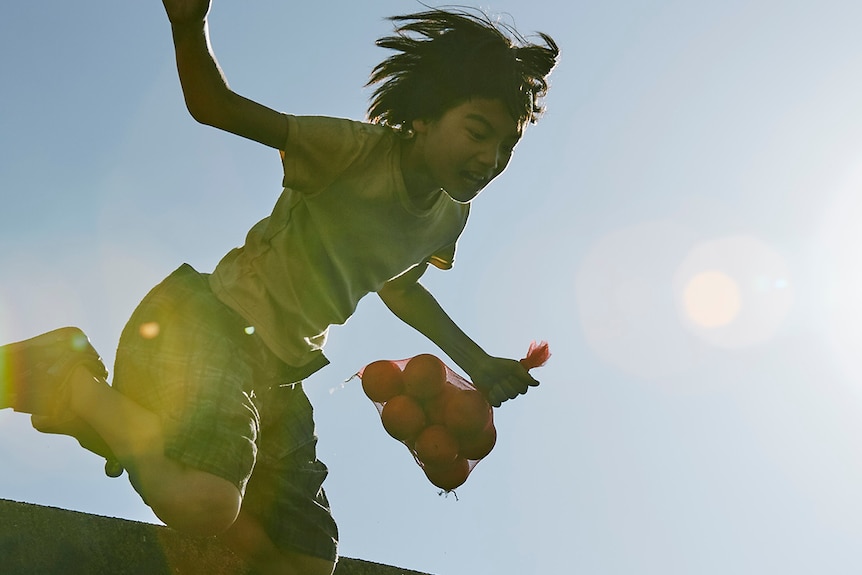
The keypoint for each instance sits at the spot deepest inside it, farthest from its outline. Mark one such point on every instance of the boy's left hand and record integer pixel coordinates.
(501, 379)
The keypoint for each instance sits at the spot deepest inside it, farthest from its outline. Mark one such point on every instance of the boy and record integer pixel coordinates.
(206, 410)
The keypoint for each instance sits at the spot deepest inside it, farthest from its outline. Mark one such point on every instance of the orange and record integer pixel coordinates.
(424, 376)
(381, 380)
(466, 412)
(436, 445)
(402, 417)
(434, 406)
(480, 444)
(448, 476)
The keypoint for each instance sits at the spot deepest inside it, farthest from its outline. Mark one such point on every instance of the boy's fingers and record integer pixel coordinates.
(509, 389)
(520, 385)
(496, 397)
(506, 390)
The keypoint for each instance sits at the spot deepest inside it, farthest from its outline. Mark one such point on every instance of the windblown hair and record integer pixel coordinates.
(445, 58)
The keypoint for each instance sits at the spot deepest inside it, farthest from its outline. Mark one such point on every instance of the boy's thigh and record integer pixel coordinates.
(179, 357)
(182, 357)
(285, 492)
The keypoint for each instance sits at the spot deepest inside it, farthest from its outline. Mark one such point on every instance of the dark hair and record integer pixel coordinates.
(446, 57)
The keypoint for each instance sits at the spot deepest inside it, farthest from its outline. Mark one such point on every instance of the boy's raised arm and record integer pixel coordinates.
(208, 97)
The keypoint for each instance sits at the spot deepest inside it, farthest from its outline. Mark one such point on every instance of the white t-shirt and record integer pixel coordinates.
(343, 226)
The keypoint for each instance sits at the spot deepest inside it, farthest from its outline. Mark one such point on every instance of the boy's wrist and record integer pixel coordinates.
(193, 27)
(472, 361)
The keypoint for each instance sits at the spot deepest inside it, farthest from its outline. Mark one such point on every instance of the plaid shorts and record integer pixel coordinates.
(225, 408)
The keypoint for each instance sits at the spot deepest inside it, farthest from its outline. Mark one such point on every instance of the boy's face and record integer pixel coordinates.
(464, 149)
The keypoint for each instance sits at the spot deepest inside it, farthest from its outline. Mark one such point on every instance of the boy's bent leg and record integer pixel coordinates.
(248, 539)
(184, 498)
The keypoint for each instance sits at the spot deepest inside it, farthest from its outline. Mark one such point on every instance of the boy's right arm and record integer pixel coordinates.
(208, 97)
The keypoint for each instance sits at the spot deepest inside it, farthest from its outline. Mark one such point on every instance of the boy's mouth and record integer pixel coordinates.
(474, 178)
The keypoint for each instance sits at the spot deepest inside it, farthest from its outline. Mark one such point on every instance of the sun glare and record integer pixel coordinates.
(733, 292)
(711, 299)
(149, 330)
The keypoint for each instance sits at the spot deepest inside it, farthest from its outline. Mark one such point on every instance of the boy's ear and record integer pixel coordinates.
(420, 125)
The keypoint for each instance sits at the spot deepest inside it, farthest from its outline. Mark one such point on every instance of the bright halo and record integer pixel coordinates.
(733, 292)
(711, 299)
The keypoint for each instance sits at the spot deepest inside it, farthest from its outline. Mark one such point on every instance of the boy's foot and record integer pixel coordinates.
(33, 378)
(34, 372)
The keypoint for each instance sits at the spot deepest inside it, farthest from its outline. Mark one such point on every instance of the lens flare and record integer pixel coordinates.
(149, 330)
(711, 299)
(733, 292)
(5, 379)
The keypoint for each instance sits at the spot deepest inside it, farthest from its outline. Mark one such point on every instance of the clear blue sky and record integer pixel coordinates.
(682, 227)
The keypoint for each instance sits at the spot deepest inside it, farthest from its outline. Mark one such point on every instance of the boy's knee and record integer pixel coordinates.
(198, 504)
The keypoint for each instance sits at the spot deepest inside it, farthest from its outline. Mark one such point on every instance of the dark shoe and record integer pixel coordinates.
(34, 372)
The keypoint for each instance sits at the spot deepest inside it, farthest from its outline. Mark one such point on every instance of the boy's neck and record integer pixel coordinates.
(420, 189)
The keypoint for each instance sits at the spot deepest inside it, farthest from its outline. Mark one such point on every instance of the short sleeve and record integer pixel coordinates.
(318, 149)
(443, 259)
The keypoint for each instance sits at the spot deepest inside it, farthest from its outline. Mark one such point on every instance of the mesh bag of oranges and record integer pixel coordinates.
(445, 422)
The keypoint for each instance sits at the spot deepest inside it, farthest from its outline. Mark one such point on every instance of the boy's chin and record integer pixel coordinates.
(463, 196)
(465, 193)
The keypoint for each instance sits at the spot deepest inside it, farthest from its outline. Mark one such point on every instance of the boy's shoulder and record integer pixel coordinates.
(335, 136)
(320, 149)
(323, 125)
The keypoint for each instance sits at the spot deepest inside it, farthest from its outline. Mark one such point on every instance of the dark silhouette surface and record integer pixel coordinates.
(47, 541)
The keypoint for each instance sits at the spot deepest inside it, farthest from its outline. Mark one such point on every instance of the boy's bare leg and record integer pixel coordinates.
(184, 498)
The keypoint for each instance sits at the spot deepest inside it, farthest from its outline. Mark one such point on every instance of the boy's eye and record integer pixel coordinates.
(476, 135)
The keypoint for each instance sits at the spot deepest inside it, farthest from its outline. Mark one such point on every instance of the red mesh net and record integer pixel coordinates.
(445, 422)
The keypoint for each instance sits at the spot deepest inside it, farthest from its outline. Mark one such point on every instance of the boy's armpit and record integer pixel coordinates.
(407, 278)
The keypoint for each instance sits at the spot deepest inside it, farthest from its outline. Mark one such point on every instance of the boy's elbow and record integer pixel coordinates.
(213, 110)
(202, 114)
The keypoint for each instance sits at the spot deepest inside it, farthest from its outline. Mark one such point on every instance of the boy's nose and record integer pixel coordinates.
(490, 158)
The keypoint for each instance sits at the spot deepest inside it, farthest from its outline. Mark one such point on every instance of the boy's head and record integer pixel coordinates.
(445, 58)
